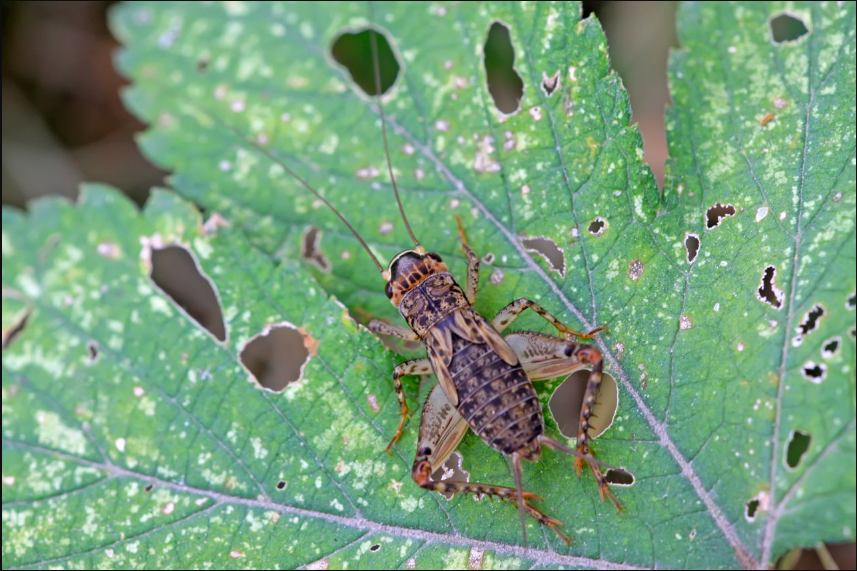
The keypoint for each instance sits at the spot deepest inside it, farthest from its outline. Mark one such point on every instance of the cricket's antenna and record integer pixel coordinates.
(373, 39)
(516, 470)
(306, 185)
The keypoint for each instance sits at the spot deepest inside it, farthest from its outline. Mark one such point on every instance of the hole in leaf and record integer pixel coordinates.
(768, 292)
(851, 302)
(148, 488)
(549, 84)
(201, 65)
(715, 214)
(547, 249)
(597, 226)
(276, 357)
(281, 485)
(176, 272)
(94, 355)
(620, 477)
(796, 448)
(353, 50)
(787, 28)
(691, 245)
(830, 347)
(310, 250)
(504, 83)
(566, 400)
(853, 333)
(451, 471)
(810, 320)
(750, 509)
(15, 329)
(375, 547)
(814, 372)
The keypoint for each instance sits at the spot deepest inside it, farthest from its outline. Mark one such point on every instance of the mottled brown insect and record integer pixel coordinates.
(485, 380)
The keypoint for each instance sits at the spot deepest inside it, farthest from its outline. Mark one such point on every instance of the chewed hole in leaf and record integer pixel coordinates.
(148, 488)
(597, 226)
(310, 250)
(797, 446)
(92, 350)
(566, 400)
(814, 372)
(550, 83)
(691, 246)
(851, 302)
(810, 320)
(750, 509)
(451, 471)
(353, 50)
(716, 213)
(15, 330)
(176, 272)
(281, 485)
(768, 292)
(504, 83)
(787, 28)
(547, 249)
(375, 547)
(277, 356)
(830, 347)
(619, 477)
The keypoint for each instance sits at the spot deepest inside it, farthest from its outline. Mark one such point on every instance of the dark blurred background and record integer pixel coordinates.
(64, 123)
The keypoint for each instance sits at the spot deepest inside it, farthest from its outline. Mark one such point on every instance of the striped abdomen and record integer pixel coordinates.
(496, 399)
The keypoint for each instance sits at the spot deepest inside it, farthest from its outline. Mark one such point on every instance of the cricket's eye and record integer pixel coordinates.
(389, 290)
(434, 257)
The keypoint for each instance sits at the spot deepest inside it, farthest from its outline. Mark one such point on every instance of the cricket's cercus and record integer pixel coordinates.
(485, 382)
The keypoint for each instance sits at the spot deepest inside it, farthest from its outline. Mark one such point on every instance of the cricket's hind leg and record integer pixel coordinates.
(547, 357)
(441, 430)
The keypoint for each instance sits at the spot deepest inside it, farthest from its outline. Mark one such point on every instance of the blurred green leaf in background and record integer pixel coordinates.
(132, 437)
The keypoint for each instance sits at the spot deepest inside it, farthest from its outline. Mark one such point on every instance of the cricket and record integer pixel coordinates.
(485, 380)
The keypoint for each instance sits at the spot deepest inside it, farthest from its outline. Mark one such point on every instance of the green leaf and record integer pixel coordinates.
(710, 376)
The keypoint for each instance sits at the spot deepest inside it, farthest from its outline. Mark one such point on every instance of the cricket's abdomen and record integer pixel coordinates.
(496, 399)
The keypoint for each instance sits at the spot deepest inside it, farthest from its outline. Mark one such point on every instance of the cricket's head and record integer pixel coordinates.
(408, 269)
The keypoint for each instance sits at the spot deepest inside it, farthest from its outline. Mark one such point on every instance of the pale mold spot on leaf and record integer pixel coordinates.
(566, 401)
(441, 125)
(691, 246)
(783, 215)
(768, 292)
(497, 276)
(411, 563)
(548, 250)
(732, 49)
(367, 173)
(385, 228)
(224, 166)
(550, 83)
(796, 447)
(717, 213)
(419, 174)
(620, 477)
(168, 508)
(236, 554)
(483, 160)
(454, 203)
(237, 106)
(373, 402)
(109, 552)
(504, 83)
(8, 480)
(716, 306)
(276, 357)
(509, 141)
(488, 258)
(447, 65)
(536, 113)
(685, 322)
(285, 117)
(408, 149)
(618, 350)
(814, 372)
(837, 197)
(310, 250)
(830, 347)
(598, 226)
(635, 269)
(740, 346)
(761, 213)
(109, 250)
(474, 560)
(787, 27)
(176, 273)
(780, 102)
(525, 190)
(120, 444)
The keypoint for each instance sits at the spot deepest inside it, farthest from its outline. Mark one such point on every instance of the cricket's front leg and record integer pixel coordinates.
(546, 357)
(412, 367)
(441, 430)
